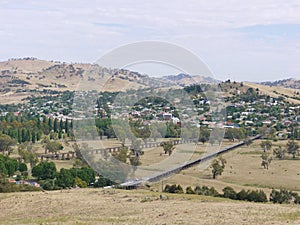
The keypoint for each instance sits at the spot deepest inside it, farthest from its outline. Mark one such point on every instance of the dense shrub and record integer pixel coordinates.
(173, 189)
(44, 171)
(48, 184)
(242, 195)
(256, 196)
(228, 192)
(284, 196)
(102, 182)
(8, 166)
(204, 190)
(79, 183)
(189, 190)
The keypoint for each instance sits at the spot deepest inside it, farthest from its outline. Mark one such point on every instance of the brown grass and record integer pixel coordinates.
(243, 171)
(103, 206)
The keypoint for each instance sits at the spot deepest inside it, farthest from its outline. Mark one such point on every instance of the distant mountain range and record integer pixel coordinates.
(287, 83)
(186, 79)
(19, 78)
(32, 73)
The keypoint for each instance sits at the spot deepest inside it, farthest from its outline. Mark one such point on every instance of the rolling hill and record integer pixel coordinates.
(287, 83)
(19, 78)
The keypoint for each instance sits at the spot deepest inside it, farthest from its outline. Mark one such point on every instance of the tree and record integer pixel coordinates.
(6, 142)
(44, 170)
(65, 178)
(248, 141)
(242, 195)
(136, 147)
(22, 167)
(292, 148)
(33, 137)
(218, 166)
(168, 147)
(279, 152)
(266, 145)
(122, 154)
(282, 196)
(189, 190)
(234, 133)
(173, 189)
(204, 190)
(27, 153)
(217, 134)
(204, 134)
(256, 196)
(80, 183)
(86, 174)
(53, 146)
(229, 192)
(266, 160)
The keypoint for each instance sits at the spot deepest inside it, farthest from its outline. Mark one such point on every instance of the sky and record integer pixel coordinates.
(239, 40)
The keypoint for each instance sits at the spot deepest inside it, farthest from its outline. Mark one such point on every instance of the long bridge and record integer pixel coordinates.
(70, 155)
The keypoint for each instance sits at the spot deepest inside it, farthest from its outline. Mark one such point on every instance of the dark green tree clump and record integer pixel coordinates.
(50, 179)
(173, 189)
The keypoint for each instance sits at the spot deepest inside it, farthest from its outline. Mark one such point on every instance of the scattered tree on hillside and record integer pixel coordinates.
(27, 153)
(121, 155)
(6, 142)
(292, 148)
(218, 166)
(266, 145)
(266, 160)
(136, 151)
(168, 147)
(279, 152)
(53, 146)
(248, 141)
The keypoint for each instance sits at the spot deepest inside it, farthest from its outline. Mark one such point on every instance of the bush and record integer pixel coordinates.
(204, 190)
(297, 199)
(80, 183)
(228, 192)
(65, 178)
(173, 189)
(44, 171)
(213, 192)
(242, 195)
(85, 173)
(23, 167)
(189, 190)
(283, 196)
(48, 184)
(256, 196)
(102, 182)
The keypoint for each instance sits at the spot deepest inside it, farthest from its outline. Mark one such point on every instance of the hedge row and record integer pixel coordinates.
(281, 196)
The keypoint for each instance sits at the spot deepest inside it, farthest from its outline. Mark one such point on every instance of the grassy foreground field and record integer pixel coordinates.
(103, 206)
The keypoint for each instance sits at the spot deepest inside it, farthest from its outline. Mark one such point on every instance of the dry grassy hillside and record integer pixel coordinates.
(291, 95)
(102, 206)
(272, 91)
(19, 77)
(288, 83)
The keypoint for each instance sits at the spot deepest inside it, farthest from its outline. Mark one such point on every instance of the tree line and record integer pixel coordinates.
(25, 128)
(276, 196)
